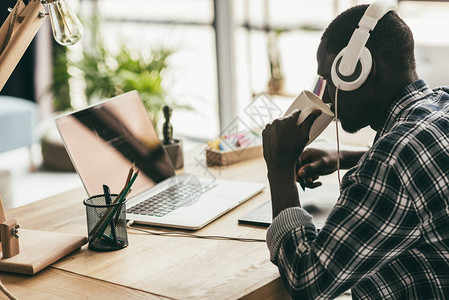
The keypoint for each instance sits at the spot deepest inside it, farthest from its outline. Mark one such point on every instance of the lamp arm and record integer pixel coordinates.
(26, 25)
(6, 31)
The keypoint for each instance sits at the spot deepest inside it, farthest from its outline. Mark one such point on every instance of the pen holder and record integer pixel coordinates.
(106, 223)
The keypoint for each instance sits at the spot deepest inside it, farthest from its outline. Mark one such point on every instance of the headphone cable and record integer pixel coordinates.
(338, 137)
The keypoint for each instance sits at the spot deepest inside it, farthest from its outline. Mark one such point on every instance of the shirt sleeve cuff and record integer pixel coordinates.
(287, 220)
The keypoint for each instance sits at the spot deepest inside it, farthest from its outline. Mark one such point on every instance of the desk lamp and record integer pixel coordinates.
(37, 249)
(24, 21)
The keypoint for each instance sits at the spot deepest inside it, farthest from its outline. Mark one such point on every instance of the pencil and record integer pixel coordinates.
(130, 174)
(128, 187)
(117, 215)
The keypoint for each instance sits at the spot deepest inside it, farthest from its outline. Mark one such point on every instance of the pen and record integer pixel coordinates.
(301, 181)
(108, 200)
(107, 194)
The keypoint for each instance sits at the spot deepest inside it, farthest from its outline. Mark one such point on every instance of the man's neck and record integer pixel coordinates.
(390, 90)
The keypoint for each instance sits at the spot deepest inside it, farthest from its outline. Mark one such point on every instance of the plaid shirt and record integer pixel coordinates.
(388, 235)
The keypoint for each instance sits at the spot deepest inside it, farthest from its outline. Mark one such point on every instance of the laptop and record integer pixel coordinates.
(103, 140)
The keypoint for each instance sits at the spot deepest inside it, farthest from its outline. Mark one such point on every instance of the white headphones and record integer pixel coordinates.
(352, 65)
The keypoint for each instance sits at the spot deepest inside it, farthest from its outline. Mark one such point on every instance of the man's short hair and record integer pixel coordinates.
(391, 41)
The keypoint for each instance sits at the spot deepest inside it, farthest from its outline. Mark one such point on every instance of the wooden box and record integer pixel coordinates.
(221, 158)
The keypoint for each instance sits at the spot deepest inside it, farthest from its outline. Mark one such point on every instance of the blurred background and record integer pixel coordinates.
(208, 59)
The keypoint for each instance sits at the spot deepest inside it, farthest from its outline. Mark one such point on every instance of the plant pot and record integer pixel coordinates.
(175, 153)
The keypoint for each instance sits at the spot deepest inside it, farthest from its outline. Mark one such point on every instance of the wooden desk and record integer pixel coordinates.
(154, 267)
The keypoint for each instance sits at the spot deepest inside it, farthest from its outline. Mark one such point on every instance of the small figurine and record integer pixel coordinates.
(167, 129)
(172, 146)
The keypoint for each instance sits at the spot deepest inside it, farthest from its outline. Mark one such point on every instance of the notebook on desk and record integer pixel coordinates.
(103, 141)
(318, 202)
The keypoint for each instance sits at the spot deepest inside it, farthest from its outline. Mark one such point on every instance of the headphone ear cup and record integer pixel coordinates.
(355, 80)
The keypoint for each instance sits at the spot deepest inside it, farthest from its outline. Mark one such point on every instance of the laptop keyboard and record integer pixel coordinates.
(168, 200)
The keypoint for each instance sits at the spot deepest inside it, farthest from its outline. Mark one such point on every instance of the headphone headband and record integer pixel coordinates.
(355, 52)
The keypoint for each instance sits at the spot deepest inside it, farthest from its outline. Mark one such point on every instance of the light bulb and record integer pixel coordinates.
(67, 29)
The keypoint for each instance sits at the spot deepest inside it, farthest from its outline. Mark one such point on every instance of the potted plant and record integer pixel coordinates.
(107, 74)
(276, 82)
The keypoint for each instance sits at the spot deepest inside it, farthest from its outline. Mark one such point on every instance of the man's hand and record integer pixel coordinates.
(316, 162)
(283, 142)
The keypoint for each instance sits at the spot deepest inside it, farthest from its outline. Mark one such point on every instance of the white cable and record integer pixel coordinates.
(338, 137)
(189, 235)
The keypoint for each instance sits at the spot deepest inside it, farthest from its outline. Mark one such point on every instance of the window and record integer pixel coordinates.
(187, 27)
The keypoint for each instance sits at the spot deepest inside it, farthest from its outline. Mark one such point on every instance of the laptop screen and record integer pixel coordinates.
(104, 140)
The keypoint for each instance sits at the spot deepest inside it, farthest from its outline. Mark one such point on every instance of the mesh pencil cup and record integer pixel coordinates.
(106, 223)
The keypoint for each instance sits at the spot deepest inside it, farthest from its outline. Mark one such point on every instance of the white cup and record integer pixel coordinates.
(307, 102)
